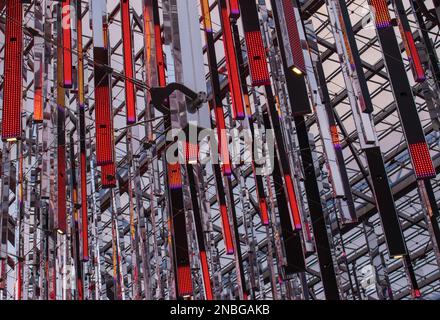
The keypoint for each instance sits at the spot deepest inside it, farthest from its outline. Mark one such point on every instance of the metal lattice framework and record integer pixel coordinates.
(121, 238)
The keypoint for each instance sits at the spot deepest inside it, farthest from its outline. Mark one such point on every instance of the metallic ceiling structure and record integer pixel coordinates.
(317, 182)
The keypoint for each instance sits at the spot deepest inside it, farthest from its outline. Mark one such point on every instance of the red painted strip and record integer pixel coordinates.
(293, 203)
(108, 176)
(67, 44)
(104, 126)
(206, 275)
(226, 230)
(174, 176)
(232, 66)
(130, 92)
(413, 54)
(160, 56)
(264, 213)
(84, 220)
(233, 8)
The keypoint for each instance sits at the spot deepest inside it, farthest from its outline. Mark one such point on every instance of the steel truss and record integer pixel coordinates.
(92, 209)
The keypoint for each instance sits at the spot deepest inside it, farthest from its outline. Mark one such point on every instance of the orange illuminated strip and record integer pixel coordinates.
(232, 66)
(257, 58)
(130, 93)
(38, 105)
(158, 44)
(67, 44)
(226, 229)
(421, 160)
(206, 276)
(381, 13)
(12, 93)
(174, 176)
(292, 202)
(206, 16)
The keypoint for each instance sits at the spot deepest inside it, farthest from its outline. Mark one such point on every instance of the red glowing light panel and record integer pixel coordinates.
(293, 203)
(67, 44)
(158, 45)
(61, 189)
(130, 92)
(38, 105)
(108, 176)
(104, 126)
(174, 176)
(226, 229)
(413, 55)
(381, 13)
(184, 283)
(421, 160)
(257, 58)
(294, 38)
(206, 276)
(233, 8)
(232, 66)
(12, 94)
(264, 213)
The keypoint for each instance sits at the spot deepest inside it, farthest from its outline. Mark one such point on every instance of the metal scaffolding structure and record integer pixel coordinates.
(219, 149)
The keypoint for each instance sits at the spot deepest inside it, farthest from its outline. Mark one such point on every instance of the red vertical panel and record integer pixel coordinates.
(108, 176)
(158, 44)
(226, 229)
(84, 217)
(184, 283)
(223, 141)
(294, 38)
(12, 92)
(232, 66)
(257, 58)
(381, 13)
(264, 213)
(67, 44)
(421, 160)
(206, 276)
(130, 92)
(104, 126)
(233, 8)
(413, 55)
(38, 105)
(293, 203)
(174, 176)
